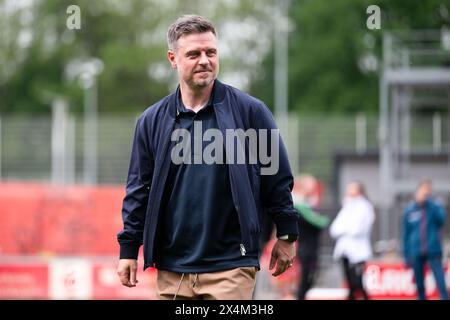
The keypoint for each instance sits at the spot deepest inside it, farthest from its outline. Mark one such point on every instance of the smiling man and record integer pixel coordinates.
(200, 222)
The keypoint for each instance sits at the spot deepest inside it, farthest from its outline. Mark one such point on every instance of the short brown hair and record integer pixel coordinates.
(187, 24)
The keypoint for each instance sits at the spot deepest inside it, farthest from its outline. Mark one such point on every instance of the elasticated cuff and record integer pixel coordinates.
(129, 251)
(289, 226)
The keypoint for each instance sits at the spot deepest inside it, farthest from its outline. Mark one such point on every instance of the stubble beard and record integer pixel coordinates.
(201, 83)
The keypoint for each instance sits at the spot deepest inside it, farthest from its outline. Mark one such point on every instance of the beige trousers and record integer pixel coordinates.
(233, 284)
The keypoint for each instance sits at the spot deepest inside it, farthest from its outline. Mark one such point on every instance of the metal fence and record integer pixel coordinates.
(41, 149)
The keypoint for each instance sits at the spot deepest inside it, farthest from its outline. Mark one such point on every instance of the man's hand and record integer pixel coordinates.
(127, 270)
(283, 254)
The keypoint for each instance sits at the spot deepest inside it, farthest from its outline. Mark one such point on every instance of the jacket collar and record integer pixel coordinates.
(423, 205)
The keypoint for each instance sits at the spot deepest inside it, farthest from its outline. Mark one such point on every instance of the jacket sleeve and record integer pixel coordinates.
(276, 187)
(336, 228)
(135, 201)
(440, 215)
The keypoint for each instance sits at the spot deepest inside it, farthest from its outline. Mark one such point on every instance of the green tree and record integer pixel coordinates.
(128, 36)
(328, 40)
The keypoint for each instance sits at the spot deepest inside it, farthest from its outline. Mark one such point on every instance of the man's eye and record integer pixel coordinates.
(211, 54)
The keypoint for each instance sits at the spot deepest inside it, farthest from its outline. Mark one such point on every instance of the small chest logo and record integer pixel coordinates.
(414, 216)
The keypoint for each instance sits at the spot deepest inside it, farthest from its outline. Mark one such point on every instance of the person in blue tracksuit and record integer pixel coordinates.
(195, 197)
(422, 221)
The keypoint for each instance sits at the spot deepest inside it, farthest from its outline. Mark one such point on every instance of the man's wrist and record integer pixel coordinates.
(288, 237)
(129, 251)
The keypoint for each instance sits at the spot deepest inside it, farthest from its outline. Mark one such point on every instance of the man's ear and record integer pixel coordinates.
(171, 58)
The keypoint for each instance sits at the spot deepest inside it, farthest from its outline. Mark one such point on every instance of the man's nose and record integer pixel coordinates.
(203, 59)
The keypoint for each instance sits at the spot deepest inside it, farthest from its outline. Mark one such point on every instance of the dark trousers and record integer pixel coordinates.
(308, 273)
(354, 276)
(435, 264)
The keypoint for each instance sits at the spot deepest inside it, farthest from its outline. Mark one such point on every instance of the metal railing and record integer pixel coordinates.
(46, 149)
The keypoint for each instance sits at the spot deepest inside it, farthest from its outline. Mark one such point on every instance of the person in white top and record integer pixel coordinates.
(352, 229)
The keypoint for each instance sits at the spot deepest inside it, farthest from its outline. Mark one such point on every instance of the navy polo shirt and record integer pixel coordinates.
(198, 229)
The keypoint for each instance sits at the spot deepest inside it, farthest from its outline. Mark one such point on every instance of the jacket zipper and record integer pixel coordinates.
(233, 193)
(242, 250)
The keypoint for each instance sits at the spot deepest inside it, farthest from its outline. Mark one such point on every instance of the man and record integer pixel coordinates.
(199, 220)
(422, 222)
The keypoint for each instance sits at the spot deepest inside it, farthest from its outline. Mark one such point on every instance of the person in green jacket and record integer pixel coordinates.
(311, 224)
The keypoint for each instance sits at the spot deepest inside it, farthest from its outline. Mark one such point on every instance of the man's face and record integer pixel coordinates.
(196, 59)
(353, 190)
(423, 192)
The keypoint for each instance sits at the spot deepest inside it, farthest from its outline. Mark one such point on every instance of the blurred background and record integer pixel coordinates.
(352, 103)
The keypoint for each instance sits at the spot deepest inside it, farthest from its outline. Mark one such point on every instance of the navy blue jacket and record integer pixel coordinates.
(252, 193)
(435, 217)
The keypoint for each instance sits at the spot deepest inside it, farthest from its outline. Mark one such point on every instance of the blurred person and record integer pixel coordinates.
(352, 229)
(422, 221)
(200, 223)
(307, 190)
(311, 224)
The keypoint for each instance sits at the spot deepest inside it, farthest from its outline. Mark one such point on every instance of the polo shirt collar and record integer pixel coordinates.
(180, 108)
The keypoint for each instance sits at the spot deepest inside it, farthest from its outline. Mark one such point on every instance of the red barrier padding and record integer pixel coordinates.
(46, 219)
